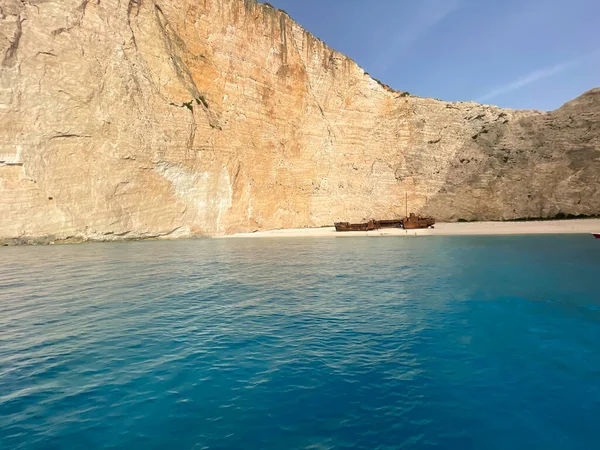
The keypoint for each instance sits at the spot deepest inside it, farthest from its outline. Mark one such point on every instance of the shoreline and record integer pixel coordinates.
(564, 226)
(568, 226)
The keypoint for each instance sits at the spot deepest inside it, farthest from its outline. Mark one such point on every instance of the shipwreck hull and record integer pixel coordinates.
(347, 226)
(413, 222)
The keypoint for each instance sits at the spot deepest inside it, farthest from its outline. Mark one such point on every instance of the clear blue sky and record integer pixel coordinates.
(534, 54)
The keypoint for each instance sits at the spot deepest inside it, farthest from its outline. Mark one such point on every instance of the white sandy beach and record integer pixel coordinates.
(579, 226)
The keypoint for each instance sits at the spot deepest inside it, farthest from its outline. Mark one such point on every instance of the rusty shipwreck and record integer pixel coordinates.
(409, 222)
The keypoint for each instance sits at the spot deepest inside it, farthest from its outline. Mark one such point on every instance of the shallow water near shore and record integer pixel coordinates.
(439, 342)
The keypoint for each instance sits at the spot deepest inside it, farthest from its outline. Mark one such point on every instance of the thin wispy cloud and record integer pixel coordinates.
(429, 14)
(534, 77)
(525, 80)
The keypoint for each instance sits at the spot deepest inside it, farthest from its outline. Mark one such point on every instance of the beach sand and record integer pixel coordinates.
(578, 226)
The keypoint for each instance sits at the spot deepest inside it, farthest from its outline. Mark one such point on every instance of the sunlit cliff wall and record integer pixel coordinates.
(126, 119)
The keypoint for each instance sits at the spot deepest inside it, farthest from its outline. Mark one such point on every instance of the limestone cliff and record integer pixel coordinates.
(140, 118)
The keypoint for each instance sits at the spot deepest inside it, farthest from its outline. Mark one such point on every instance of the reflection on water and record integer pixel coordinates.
(454, 342)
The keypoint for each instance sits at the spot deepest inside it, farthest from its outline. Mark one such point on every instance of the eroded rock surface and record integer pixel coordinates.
(172, 118)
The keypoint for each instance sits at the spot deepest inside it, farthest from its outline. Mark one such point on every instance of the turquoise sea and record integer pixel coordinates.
(344, 343)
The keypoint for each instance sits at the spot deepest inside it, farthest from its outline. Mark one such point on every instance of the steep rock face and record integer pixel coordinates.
(539, 165)
(139, 118)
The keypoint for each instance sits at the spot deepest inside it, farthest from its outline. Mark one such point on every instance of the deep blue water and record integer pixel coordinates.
(387, 343)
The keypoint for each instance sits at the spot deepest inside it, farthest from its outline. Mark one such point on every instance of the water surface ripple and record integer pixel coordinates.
(379, 343)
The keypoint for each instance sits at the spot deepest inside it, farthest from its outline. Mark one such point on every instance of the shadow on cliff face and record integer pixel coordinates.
(537, 166)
